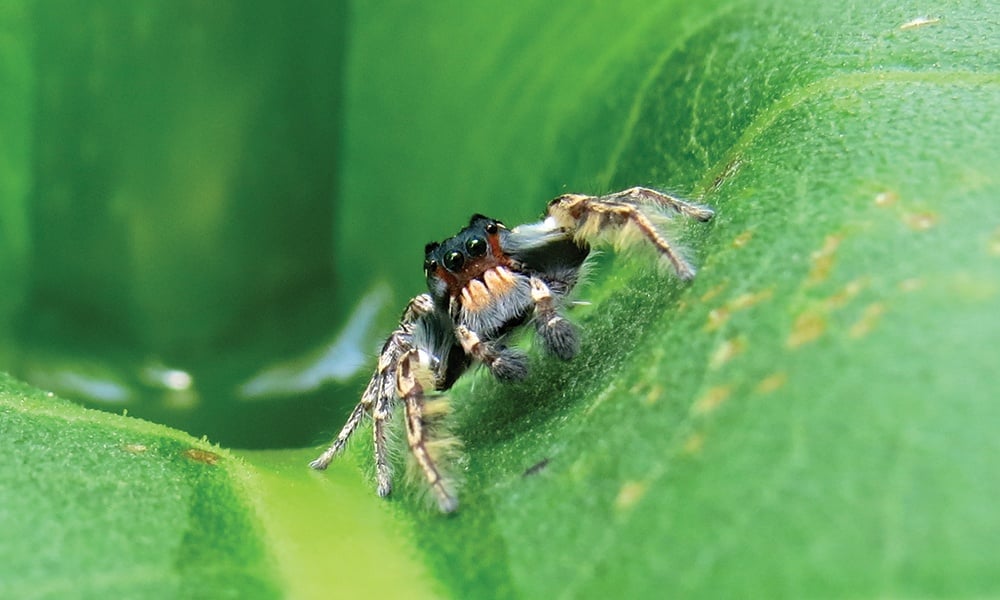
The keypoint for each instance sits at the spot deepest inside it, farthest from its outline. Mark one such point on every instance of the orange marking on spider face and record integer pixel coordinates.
(499, 281)
(476, 296)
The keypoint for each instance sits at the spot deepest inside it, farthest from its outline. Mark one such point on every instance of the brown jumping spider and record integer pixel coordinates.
(485, 282)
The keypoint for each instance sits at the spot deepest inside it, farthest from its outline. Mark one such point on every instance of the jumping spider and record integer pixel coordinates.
(483, 283)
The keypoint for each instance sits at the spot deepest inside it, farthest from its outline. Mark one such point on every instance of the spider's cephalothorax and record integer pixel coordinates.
(484, 282)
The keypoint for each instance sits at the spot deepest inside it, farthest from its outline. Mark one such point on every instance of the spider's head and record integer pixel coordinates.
(457, 261)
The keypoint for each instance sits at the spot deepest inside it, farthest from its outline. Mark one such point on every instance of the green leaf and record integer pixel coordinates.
(96, 505)
(814, 415)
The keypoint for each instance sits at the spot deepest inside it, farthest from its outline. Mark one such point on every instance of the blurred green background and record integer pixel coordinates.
(168, 206)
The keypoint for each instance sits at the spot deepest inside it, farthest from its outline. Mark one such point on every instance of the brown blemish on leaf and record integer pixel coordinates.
(823, 259)
(866, 323)
(711, 399)
(886, 199)
(807, 327)
(920, 221)
(726, 351)
(919, 22)
(743, 239)
(202, 456)
(630, 494)
(771, 383)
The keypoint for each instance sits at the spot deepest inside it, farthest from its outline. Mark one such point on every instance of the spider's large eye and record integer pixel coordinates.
(476, 247)
(454, 260)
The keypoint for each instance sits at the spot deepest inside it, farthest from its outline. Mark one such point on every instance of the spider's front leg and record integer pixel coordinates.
(625, 217)
(378, 396)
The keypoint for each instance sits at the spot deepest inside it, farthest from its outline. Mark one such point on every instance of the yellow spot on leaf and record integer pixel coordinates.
(745, 301)
(919, 22)
(711, 399)
(867, 321)
(202, 456)
(713, 292)
(653, 396)
(911, 285)
(994, 244)
(885, 199)
(823, 259)
(630, 494)
(920, 221)
(726, 351)
(135, 448)
(771, 383)
(716, 318)
(807, 327)
(743, 239)
(694, 443)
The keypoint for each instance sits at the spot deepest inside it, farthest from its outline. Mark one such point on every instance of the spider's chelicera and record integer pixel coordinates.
(482, 284)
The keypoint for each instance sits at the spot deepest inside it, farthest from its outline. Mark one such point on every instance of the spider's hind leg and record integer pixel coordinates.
(426, 433)
(626, 217)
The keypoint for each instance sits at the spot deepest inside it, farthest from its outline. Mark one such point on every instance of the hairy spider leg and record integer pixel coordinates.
(558, 335)
(656, 198)
(623, 217)
(414, 377)
(504, 363)
(378, 395)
